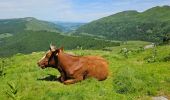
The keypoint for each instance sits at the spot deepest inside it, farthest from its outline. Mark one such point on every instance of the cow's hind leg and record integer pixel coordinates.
(72, 81)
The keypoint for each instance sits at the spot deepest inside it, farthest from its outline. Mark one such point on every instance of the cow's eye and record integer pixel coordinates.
(48, 55)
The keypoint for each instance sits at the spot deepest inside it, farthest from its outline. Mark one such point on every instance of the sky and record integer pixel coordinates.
(72, 10)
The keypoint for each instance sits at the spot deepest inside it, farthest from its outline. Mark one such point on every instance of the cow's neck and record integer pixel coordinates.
(66, 60)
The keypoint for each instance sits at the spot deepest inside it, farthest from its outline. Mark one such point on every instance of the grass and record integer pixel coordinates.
(132, 78)
(12, 91)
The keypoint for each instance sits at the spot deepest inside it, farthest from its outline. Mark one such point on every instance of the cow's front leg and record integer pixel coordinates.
(71, 81)
(62, 78)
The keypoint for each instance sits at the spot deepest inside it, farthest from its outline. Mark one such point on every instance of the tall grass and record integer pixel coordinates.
(130, 80)
(2, 65)
(12, 91)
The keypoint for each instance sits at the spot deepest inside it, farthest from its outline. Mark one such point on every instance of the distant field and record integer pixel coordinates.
(133, 75)
(4, 35)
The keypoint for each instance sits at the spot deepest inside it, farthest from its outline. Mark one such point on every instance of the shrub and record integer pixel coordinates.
(125, 52)
(153, 57)
(166, 58)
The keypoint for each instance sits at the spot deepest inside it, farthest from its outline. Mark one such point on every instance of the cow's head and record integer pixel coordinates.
(50, 59)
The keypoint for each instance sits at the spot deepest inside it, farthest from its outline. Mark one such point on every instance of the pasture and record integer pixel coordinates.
(133, 75)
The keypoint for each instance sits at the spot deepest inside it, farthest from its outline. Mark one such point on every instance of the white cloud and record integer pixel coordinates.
(70, 10)
(35, 8)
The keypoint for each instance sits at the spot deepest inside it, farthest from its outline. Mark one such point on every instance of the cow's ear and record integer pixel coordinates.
(61, 49)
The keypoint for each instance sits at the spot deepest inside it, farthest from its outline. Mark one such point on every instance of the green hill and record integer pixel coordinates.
(26, 35)
(31, 41)
(21, 24)
(150, 25)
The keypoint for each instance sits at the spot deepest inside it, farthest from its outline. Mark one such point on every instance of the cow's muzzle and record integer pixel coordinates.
(41, 65)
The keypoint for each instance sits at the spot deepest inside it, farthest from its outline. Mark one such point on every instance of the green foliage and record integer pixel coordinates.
(125, 52)
(158, 54)
(150, 25)
(166, 58)
(152, 58)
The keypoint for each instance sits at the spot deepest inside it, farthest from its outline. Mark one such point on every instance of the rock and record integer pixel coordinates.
(149, 46)
(159, 98)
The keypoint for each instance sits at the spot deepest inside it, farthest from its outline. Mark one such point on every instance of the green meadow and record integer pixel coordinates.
(134, 74)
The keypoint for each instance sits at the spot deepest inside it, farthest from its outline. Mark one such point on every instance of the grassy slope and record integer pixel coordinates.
(38, 25)
(11, 26)
(132, 78)
(20, 24)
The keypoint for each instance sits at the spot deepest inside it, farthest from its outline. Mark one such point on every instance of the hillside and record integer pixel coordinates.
(150, 25)
(13, 26)
(31, 41)
(135, 78)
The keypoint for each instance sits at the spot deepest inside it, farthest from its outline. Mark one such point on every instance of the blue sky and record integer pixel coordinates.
(72, 10)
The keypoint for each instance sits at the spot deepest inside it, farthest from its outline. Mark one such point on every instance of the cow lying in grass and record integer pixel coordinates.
(74, 68)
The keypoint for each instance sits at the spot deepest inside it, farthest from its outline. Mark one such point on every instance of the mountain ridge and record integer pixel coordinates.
(150, 25)
(16, 25)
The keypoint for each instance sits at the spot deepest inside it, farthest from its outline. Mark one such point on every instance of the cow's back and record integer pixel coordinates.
(97, 67)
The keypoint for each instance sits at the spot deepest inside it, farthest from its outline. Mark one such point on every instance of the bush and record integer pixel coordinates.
(166, 58)
(153, 57)
(125, 52)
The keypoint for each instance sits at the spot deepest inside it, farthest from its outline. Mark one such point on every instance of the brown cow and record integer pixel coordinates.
(74, 68)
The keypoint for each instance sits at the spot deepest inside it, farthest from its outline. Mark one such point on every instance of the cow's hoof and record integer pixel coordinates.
(61, 79)
(67, 82)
